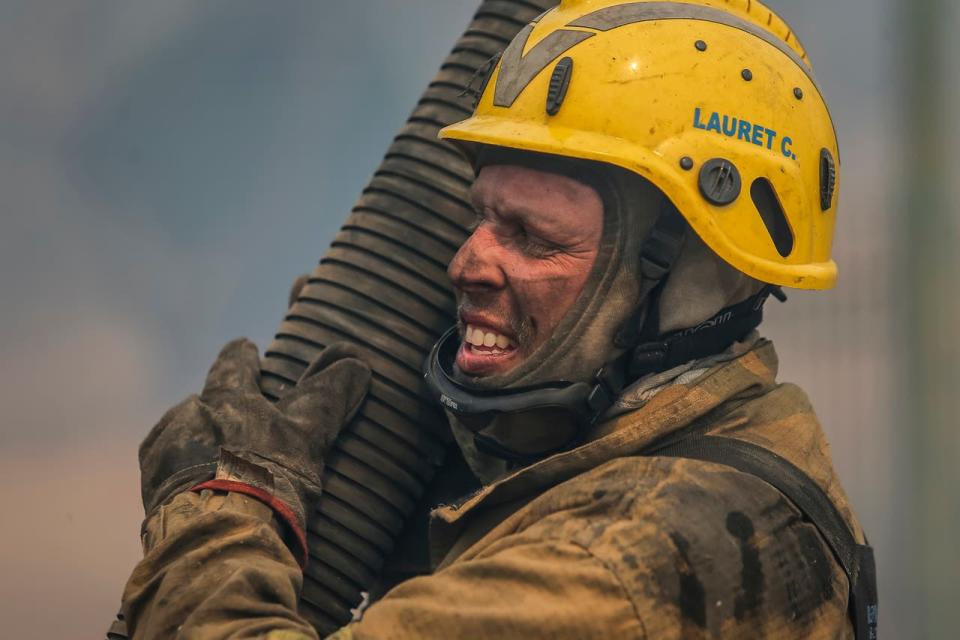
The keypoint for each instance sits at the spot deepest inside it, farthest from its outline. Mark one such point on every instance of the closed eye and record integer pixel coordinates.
(537, 247)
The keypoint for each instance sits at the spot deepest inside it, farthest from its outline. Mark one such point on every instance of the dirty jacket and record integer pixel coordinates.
(597, 542)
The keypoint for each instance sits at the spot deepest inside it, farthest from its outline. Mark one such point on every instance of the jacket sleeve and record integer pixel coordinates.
(536, 589)
(215, 566)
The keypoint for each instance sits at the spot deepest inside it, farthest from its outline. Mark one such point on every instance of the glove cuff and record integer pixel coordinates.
(178, 482)
(280, 508)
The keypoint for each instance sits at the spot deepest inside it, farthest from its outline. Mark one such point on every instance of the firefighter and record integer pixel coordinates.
(648, 174)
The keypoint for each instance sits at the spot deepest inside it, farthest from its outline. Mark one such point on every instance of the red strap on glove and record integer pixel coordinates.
(283, 511)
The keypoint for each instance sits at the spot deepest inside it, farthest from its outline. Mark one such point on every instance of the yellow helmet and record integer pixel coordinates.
(713, 101)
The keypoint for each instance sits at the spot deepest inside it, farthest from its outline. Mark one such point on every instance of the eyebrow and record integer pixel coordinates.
(477, 202)
(513, 212)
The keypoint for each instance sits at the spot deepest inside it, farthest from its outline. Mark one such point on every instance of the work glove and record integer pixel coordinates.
(232, 438)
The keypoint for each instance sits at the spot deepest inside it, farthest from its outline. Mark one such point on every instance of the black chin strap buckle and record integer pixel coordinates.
(649, 357)
(609, 384)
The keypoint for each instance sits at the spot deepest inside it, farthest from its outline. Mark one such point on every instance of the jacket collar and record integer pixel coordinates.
(670, 410)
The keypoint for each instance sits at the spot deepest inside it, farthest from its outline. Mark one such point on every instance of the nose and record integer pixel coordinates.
(476, 267)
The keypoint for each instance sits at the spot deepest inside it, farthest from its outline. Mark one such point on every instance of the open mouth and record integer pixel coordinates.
(484, 351)
(487, 341)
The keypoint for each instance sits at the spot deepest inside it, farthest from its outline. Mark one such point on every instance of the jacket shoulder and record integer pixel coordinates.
(701, 548)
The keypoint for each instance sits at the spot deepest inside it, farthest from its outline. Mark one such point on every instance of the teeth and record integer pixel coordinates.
(480, 338)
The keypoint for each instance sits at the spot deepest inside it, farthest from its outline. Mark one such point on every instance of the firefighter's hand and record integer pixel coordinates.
(232, 438)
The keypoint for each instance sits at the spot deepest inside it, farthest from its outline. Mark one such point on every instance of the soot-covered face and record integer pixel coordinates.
(523, 267)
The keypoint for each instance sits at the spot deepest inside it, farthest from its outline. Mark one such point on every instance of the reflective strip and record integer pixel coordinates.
(626, 14)
(540, 17)
(518, 70)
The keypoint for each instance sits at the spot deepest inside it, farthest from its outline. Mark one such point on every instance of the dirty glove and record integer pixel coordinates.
(232, 438)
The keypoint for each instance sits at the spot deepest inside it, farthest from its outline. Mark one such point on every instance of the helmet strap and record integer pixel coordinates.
(658, 253)
(646, 350)
(712, 336)
(649, 356)
(708, 338)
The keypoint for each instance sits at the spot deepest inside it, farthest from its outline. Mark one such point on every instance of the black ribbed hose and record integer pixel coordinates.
(383, 287)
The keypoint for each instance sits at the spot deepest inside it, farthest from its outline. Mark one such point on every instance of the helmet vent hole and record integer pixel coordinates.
(828, 179)
(771, 212)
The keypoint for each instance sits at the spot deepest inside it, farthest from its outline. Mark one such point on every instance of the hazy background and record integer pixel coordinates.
(167, 169)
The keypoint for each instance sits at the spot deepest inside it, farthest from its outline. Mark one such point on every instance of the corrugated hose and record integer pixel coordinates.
(382, 286)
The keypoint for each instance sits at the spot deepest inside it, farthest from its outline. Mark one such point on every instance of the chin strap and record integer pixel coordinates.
(649, 352)
(707, 338)
(672, 350)
(710, 337)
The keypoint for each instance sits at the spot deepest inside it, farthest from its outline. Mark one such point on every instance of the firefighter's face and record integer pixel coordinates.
(522, 268)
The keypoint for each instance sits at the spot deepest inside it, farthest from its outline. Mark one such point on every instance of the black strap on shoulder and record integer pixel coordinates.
(856, 559)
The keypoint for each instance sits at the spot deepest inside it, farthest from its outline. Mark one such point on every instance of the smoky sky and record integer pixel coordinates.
(168, 168)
